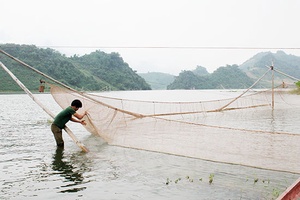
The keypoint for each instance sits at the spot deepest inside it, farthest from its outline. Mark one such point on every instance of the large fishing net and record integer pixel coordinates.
(215, 130)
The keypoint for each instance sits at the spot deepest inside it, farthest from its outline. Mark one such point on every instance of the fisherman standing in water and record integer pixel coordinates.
(63, 117)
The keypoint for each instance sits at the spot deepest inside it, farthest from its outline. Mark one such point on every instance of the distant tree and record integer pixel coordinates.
(224, 77)
(200, 71)
(187, 80)
(230, 77)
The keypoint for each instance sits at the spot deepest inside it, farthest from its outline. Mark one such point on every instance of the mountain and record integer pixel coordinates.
(161, 81)
(157, 80)
(256, 66)
(243, 76)
(99, 71)
(228, 77)
(93, 72)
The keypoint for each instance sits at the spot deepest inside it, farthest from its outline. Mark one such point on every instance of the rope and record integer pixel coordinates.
(206, 111)
(172, 47)
(230, 128)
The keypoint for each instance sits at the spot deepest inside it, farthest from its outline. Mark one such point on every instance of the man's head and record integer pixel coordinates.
(76, 103)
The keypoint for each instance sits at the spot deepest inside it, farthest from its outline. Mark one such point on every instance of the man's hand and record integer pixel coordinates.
(83, 122)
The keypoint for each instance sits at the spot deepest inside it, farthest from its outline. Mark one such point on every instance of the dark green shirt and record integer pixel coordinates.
(63, 117)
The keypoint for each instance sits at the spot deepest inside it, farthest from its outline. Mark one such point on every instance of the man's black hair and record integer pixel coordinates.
(77, 103)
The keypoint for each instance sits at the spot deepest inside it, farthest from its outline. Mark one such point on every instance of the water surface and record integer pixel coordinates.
(33, 168)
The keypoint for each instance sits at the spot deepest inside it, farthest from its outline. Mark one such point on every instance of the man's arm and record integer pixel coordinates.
(78, 121)
(78, 116)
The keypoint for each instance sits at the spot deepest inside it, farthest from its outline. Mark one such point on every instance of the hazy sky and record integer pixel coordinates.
(87, 25)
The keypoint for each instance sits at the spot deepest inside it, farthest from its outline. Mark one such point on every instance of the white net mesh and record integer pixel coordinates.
(195, 129)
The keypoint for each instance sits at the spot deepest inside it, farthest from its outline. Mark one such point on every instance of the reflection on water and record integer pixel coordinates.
(66, 170)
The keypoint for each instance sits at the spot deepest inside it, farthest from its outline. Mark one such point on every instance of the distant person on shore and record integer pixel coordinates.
(63, 117)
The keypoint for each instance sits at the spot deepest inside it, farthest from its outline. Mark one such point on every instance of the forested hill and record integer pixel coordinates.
(229, 77)
(243, 76)
(256, 66)
(93, 72)
(99, 71)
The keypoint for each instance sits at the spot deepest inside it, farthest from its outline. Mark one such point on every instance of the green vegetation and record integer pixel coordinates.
(297, 89)
(243, 76)
(99, 71)
(228, 77)
(268, 190)
(200, 71)
(298, 84)
(93, 72)
(211, 178)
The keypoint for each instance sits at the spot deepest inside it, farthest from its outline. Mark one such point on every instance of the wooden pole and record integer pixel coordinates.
(242, 93)
(272, 68)
(81, 145)
(291, 77)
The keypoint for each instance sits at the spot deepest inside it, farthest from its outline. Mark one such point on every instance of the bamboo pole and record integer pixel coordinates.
(242, 93)
(291, 77)
(273, 100)
(81, 145)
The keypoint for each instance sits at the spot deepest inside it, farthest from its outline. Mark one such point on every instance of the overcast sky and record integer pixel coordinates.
(84, 26)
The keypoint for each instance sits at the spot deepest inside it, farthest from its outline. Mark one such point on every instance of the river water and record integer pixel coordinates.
(33, 168)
